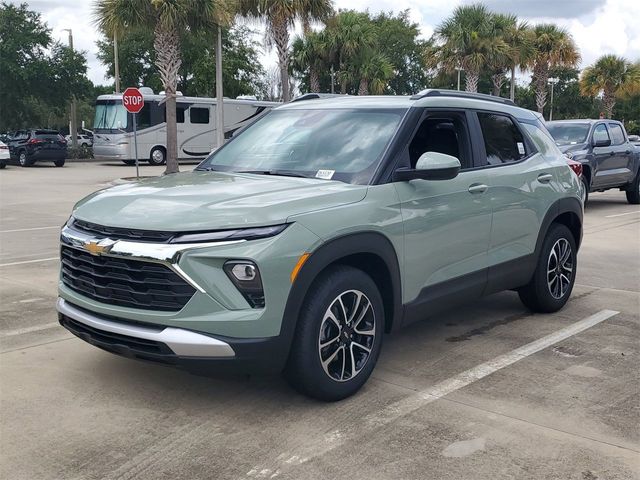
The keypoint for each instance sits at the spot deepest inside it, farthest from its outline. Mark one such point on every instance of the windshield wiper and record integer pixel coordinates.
(282, 173)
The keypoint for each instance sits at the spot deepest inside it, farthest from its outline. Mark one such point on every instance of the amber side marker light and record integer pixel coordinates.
(294, 273)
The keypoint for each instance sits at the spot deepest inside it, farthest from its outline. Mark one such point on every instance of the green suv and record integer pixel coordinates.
(319, 228)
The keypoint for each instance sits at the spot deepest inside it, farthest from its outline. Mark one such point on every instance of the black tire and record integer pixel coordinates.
(633, 191)
(585, 186)
(23, 159)
(304, 370)
(2, 164)
(158, 156)
(59, 163)
(129, 162)
(544, 295)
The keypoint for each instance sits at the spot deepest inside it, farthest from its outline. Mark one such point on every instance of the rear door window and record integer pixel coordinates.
(503, 141)
(617, 135)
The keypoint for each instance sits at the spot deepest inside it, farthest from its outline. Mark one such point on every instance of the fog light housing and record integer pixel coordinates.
(245, 276)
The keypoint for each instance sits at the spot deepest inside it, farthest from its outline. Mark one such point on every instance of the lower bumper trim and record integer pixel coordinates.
(183, 343)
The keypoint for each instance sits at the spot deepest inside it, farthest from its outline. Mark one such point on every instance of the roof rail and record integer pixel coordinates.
(315, 96)
(435, 92)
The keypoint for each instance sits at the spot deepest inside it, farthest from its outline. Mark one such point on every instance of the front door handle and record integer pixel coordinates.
(477, 188)
(545, 177)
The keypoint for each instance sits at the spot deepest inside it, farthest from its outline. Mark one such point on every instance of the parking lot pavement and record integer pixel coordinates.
(484, 392)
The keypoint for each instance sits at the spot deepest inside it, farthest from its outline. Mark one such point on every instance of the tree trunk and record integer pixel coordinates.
(608, 102)
(343, 86)
(280, 34)
(497, 80)
(541, 75)
(471, 81)
(167, 46)
(363, 89)
(512, 86)
(314, 80)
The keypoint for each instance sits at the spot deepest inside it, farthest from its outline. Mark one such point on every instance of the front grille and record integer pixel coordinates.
(117, 233)
(124, 282)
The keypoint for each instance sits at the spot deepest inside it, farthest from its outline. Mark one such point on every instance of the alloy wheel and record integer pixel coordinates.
(559, 268)
(22, 158)
(347, 335)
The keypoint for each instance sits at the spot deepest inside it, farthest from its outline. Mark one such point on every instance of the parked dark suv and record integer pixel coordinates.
(609, 160)
(31, 146)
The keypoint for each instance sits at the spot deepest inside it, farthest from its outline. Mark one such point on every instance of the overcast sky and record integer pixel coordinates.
(598, 26)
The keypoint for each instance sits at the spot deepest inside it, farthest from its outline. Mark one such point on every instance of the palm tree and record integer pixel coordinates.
(500, 61)
(374, 70)
(468, 40)
(279, 16)
(520, 40)
(166, 18)
(553, 47)
(309, 55)
(612, 76)
(350, 35)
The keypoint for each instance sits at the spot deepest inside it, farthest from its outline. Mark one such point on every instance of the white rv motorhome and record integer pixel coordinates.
(196, 119)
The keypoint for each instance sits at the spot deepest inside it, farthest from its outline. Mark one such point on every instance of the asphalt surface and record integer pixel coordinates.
(487, 391)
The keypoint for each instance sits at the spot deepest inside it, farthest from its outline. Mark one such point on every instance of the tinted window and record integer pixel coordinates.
(502, 139)
(617, 135)
(199, 115)
(343, 145)
(600, 133)
(180, 113)
(442, 133)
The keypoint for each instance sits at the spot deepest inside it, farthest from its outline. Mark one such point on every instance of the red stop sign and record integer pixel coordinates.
(132, 100)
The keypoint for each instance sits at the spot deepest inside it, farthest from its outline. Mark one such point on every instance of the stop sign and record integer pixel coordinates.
(132, 100)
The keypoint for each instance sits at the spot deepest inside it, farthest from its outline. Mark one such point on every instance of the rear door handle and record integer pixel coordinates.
(477, 188)
(545, 177)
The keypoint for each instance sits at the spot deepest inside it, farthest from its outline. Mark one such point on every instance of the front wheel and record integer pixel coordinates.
(158, 156)
(339, 335)
(633, 191)
(585, 190)
(59, 163)
(555, 274)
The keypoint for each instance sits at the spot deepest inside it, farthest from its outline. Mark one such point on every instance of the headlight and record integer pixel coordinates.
(223, 235)
(246, 277)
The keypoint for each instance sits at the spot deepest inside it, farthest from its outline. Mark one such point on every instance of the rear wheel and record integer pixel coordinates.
(2, 164)
(24, 160)
(129, 162)
(339, 335)
(585, 190)
(633, 191)
(158, 156)
(59, 163)
(554, 277)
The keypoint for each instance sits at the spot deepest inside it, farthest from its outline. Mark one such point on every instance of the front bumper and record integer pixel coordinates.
(192, 351)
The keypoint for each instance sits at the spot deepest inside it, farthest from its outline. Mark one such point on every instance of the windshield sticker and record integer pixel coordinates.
(521, 148)
(325, 174)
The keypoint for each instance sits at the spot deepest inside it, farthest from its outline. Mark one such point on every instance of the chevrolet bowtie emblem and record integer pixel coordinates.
(100, 247)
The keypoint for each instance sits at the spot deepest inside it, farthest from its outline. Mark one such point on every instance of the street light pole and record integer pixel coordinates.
(459, 69)
(116, 66)
(74, 121)
(552, 81)
(219, 93)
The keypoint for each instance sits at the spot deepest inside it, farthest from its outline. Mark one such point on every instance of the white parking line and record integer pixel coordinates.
(621, 214)
(29, 261)
(30, 229)
(22, 331)
(421, 398)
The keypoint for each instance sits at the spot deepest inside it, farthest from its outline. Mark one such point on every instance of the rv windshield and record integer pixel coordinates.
(110, 115)
(344, 145)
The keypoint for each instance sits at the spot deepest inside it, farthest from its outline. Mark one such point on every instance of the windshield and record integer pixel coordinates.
(568, 133)
(110, 115)
(343, 145)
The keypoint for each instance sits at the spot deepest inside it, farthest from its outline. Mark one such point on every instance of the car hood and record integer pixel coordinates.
(212, 200)
(572, 147)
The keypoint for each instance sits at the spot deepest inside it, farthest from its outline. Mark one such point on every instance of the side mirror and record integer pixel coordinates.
(430, 166)
(601, 143)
